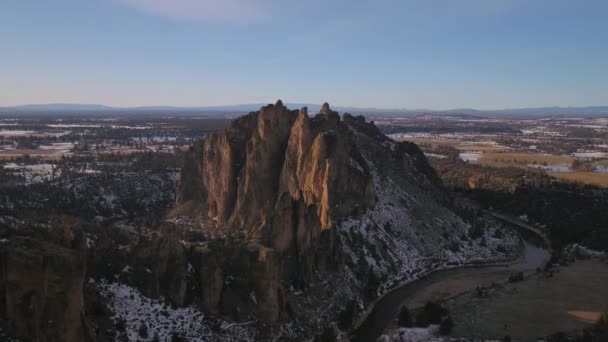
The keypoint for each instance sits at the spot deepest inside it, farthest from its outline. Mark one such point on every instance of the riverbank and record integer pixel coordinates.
(382, 311)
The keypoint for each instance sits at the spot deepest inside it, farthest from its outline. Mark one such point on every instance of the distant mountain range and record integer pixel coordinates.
(245, 108)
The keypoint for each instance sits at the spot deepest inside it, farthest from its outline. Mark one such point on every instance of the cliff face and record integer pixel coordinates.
(280, 175)
(283, 179)
(41, 282)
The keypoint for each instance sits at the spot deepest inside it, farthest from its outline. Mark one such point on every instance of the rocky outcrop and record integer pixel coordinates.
(158, 266)
(41, 282)
(234, 281)
(280, 175)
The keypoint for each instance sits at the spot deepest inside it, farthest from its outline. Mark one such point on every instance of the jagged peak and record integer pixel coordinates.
(327, 114)
(325, 108)
(302, 117)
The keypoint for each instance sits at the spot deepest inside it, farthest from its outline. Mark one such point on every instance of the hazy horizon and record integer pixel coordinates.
(294, 104)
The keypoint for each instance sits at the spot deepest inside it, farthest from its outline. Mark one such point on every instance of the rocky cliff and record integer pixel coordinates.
(41, 284)
(280, 175)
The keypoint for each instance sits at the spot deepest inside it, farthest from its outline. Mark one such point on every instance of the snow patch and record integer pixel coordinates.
(128, 305)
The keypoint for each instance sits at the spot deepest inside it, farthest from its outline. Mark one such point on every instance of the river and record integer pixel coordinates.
(445, 284)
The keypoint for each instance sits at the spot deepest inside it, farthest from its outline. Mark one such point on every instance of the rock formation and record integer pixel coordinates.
(41, 285)
(280, 175)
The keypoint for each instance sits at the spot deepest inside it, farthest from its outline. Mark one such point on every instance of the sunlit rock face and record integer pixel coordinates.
(279, 174)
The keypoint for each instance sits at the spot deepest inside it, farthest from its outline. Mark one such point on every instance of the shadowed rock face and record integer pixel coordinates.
(41, 282)
(280, 175)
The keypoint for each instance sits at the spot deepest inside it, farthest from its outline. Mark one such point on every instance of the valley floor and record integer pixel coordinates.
(572, 299)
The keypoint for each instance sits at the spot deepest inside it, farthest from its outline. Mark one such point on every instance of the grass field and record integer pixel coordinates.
(430, 141)
(600, 179)
(572, 299)
(523, 159)
(38, 153)
(481, 148)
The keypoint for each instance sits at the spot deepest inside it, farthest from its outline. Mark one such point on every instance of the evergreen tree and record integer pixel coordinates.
(405, 318)
(446, 326)
(371, 288)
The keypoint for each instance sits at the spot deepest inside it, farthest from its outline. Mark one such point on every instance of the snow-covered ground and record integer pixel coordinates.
(470, 156)
(14, 133)
(58, 146)
(74, 125)
(542, 130)
(434, 155)
(429, 334)
(551, 168)
(34, 173)
(412, 335)
(579, 251)
(397, 136)
(128, 305)
(5, 338)
(590, 154)
(600, 169)
(390, 241)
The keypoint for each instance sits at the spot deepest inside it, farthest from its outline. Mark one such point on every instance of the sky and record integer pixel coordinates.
(434, 54)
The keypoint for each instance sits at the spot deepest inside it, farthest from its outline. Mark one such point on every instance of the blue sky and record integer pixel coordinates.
(439, 54)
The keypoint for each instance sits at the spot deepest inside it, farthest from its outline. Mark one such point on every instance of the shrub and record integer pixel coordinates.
(405, 318)
(601, 327)
(445, 328)
(175, 337)
(345, 319)
(371, 288)
(121, 325)
(328, 335)
(516, 277)
(431, 313)
(143, 331)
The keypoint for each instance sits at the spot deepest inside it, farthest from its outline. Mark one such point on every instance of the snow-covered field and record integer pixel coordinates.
(14, 133)
(33, 173)
(551, 168)
(73, 125)
(58, 146)
(600, 169)
(398, 136)
(542, 130)
(590, 154)
(434, 155)
(470, 156)
(25, 133)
